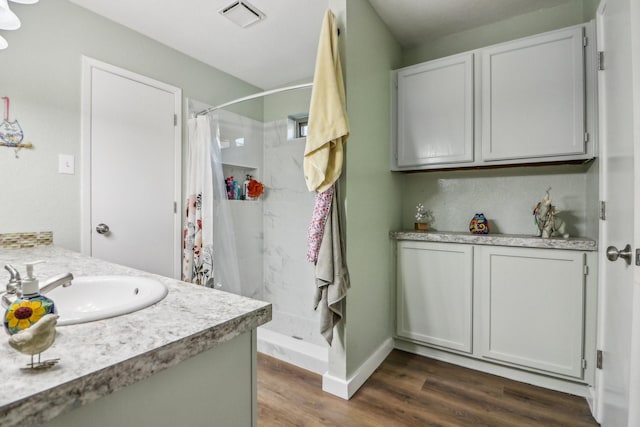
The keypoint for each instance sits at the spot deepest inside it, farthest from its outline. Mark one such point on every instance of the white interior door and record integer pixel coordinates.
(617, 189)
(132, 170)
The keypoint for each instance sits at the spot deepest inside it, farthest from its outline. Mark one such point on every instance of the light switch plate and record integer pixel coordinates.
(66, 164)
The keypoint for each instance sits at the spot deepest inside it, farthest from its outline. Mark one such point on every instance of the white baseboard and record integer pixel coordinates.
(347, 388)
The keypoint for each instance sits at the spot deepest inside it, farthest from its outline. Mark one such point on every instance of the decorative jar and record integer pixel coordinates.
(479, 224)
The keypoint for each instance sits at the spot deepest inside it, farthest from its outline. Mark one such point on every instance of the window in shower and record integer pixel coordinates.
(298, 125)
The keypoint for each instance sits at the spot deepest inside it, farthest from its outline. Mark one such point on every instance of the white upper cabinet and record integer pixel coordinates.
(435, 112)
(533, 97)
(529, 100)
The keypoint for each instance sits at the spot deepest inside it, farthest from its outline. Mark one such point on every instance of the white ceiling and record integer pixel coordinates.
(279, 50)
(282, 48)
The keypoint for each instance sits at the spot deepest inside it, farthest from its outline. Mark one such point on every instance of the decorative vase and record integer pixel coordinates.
(479, 224)
(421, 226)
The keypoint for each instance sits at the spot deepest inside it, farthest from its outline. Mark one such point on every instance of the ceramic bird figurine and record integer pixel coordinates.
(36, 339)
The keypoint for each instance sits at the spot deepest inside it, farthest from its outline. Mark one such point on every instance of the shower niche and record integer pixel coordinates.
(241, 144)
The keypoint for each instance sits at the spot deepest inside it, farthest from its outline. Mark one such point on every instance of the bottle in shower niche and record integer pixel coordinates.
(229, 185)
(245, 188)
(237, 191)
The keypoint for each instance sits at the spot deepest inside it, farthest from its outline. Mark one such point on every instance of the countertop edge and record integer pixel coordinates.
(50, 403)
(513, 240)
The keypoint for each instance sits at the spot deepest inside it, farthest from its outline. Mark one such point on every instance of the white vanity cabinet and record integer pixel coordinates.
(435, 294)
(533, 97)
(529, 100)
(531, 307)
(524, 312)
(435, 112)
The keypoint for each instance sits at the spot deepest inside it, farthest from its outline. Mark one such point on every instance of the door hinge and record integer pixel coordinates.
(584, 363)
(175, 120)
(600, 60)
(585, 270)
(599, 359)
(585, 41)
(586, 137)
(175, 207)
(603, 210)
(638, 257)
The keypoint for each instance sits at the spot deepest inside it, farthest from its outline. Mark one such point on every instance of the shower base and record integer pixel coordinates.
(297, 352)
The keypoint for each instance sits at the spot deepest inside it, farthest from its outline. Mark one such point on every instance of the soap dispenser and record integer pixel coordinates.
(30, 307)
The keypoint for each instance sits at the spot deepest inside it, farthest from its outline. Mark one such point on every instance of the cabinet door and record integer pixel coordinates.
(533, 97)
(435, 112)
(434, 294)
(532, 307)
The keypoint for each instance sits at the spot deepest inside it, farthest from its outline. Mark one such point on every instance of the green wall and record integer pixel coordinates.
(41, 73)
(282, 105)
(571, 13)
(371, 192)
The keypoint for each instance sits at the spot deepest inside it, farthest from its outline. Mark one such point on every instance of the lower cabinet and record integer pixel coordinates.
(531, 307)
(527, 308)
(435, 294)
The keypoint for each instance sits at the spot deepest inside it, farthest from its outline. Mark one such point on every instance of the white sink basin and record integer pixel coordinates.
(92, 298)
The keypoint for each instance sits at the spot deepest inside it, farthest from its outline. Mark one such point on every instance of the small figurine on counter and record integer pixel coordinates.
(424, 217)
(36, 339)
(545, 215)
(479, 224)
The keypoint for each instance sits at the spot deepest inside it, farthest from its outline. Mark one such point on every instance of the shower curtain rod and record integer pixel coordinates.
(254, 96)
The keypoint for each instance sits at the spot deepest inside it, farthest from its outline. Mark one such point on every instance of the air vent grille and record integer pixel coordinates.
(242, 13)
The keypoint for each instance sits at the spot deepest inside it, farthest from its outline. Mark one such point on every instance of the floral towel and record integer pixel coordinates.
(321, 211)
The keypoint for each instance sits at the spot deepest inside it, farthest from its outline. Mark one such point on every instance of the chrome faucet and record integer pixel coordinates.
(14, 287)
(14, 280)
(63, 280)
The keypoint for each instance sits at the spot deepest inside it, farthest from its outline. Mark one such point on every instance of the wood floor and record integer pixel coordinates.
(409, 390)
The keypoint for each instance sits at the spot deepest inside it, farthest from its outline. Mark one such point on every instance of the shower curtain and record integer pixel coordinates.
(208, 241)
(197, 261)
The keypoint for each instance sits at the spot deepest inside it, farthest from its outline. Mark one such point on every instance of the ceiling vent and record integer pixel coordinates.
(242, 13)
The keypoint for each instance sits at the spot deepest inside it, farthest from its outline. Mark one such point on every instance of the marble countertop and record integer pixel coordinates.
(100, 357)
(518, 240)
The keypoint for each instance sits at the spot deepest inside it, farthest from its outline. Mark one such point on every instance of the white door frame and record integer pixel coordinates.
(88, 64)
(634, 380)
(634, 356)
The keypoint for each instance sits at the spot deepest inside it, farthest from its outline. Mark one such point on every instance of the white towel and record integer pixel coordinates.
(328, 122)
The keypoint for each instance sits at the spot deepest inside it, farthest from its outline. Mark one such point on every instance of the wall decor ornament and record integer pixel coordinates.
(479, 224)
(545, 217)
(11, 133)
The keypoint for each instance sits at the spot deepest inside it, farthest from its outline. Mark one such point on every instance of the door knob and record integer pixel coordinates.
(102, 228)
(613, 254)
